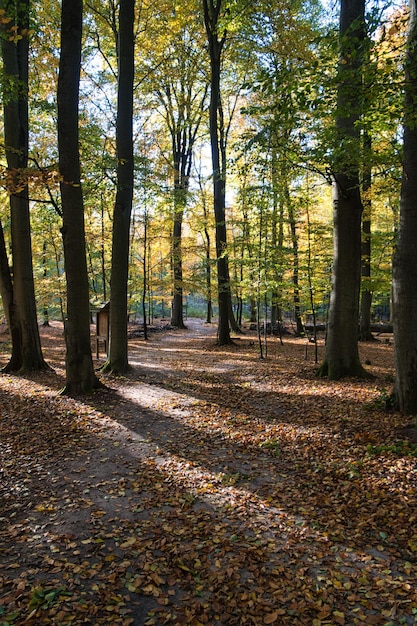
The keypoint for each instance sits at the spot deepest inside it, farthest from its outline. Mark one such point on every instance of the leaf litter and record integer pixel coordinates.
(207, 487)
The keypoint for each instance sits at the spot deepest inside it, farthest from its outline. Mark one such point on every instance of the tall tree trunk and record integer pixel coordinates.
(405, 258)
(277, 240)
(207, 266)
(145, 266)
(9, 307)
(80, 376)
(15, 51)
(103, 251)
(212, 11)
(365, 333)
(342, 355)
(183, 134)
(299, 329)
(177, 317)
(182, 150)
(118, 352)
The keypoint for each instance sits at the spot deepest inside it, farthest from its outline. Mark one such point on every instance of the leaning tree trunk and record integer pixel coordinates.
(342, 354)
(15, 50)
(80, 376)
(405, 258)
(118, 353)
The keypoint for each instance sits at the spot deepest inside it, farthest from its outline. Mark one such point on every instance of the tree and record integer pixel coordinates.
(342, 355)
(21, 303)
(6, 291)
(365, 333)
(80, 376)
(206, 245)
(405, 261)
(216, 41)
(118, 352)
(181, 90)
(279, 112)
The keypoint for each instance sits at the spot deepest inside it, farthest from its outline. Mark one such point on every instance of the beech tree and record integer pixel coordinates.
(18, 287)
(286, 118)
(180, 86)
(342, 355)
(80, 375)
(366, 295)
(216, 36)
(405, 259)
(118, 349)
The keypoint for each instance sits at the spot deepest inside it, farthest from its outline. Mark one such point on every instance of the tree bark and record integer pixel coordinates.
(183, 134)
(207, 266)
(177, 317)
(295, 261)
(405, 258)
(80, 376)
(277, 242)
(118, 352)
(24, 324)
(342, 355)
(365, 333)
(9, 307)
(212, 11)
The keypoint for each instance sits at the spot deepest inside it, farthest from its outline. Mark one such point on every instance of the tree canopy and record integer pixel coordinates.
(258, 89)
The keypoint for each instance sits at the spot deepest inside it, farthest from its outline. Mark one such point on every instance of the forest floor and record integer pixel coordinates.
(207, 487)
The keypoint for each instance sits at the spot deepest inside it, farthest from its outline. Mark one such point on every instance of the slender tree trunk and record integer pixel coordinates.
(177, 317)
(212, 11)
(296, 263)
(27, 356)
(342, 355)
(118, 352)
(209, 314)
(9, 308)
(6, 284)
(45, 321)
(275, 308)
(405, 258)
(365, 333)
(223, 168)
(207, 255)
(145, 273)
(277, 242)
(223, 290)
(80, 376)
(183, 141)
(103, 252)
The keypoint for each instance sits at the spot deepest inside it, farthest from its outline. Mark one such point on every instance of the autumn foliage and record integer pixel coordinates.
(208, 487)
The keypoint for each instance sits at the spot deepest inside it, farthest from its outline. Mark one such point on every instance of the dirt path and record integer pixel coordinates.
(207, 487)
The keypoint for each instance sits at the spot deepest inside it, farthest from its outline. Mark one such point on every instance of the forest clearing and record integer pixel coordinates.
(207, 486)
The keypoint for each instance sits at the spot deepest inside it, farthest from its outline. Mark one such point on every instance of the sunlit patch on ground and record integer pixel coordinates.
(207, 487)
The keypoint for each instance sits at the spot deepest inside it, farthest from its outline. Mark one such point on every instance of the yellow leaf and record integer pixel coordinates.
(129, 542)
(339, 617)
